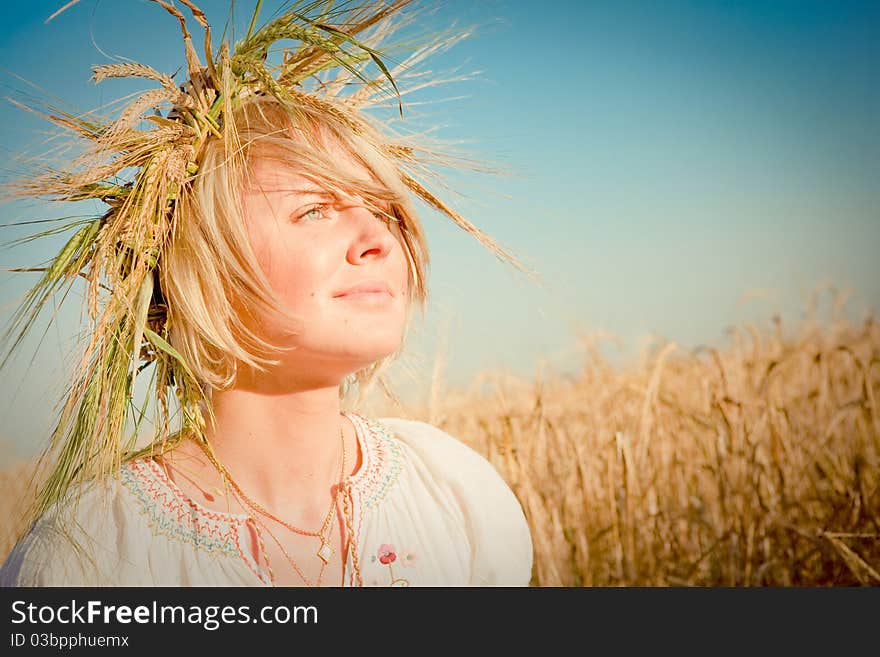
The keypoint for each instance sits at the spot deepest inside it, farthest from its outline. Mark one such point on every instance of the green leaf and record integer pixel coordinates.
(162, 345)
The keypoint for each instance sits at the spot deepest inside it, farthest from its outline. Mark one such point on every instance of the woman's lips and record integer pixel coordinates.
(367, 297)
(367, 286)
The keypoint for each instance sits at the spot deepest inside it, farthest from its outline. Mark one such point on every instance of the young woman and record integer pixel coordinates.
(286, 264)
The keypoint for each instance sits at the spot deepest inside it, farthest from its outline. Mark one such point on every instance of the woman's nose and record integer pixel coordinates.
(371, 233)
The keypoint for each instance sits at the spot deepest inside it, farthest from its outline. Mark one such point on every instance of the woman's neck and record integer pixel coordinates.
(283, 450)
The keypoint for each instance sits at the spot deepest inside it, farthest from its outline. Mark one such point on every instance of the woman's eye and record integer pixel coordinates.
(315, 212)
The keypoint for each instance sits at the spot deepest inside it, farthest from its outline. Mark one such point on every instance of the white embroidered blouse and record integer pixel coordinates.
(427, 511)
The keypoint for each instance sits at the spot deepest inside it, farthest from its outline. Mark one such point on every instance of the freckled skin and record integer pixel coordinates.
(307, 259)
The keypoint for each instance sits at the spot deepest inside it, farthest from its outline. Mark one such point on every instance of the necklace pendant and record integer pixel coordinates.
(325, 552)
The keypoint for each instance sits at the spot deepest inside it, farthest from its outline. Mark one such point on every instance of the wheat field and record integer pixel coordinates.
(753, 464)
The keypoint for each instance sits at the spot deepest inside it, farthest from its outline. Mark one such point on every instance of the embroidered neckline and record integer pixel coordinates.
(378, 476)
(174, 514)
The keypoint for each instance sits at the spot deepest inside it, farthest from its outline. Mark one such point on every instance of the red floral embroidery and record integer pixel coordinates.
(386, 554)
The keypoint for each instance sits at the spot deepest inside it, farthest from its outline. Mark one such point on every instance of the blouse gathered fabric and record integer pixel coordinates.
(427, 510)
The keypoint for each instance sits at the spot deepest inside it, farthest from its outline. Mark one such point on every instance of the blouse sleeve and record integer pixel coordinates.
(48, 556)
(499, 537)
(77, 550)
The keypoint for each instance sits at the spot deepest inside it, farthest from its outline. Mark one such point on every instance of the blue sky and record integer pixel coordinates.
(666, 160)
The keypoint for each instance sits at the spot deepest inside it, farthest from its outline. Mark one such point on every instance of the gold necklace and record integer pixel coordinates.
(290, 560)
(325, 552)
(348, 515)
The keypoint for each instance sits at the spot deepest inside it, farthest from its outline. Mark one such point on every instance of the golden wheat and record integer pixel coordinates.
(758, 464)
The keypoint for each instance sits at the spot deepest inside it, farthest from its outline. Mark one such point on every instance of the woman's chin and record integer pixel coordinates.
(344, 357)
(376, 351)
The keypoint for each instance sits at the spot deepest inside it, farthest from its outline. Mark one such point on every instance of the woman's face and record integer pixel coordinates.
(313, 248)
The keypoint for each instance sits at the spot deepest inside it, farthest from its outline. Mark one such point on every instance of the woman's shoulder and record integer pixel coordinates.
(73, 541)
(446, 454)
(492, 514)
